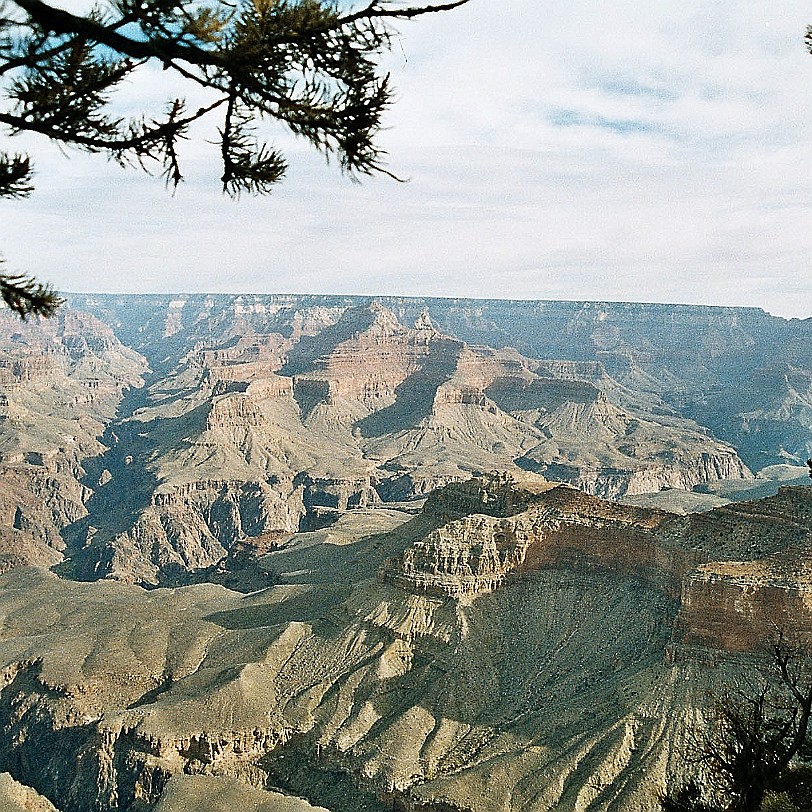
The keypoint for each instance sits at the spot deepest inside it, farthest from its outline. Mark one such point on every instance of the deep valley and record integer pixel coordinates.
(278, 552)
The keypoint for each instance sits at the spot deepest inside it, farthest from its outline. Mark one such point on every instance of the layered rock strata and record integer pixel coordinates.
(517, 644)
(548, 689)
(61, 383)
(251, 432)
(738, 570)
(739, 371)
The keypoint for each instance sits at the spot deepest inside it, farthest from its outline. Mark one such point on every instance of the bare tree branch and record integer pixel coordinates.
(375, 9)
(756, 736)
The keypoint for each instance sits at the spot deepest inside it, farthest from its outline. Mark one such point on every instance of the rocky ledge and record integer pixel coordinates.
(735, 571)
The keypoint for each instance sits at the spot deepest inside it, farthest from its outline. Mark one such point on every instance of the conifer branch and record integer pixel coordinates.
(300, 62)
(26, 297)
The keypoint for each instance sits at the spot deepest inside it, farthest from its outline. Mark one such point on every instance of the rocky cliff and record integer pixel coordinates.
(61, 383)
(518, 644)
(269, 417)
(738, 571)
(759, 576)
(720, 366)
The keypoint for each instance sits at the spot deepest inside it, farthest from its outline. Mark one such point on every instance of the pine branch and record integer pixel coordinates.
(135, 140)
(26, 296)
(62, 22)
(299, 62)
(247, 165)
(376, 10)
(15, 175)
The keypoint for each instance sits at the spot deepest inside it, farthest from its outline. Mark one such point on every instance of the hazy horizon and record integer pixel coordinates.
(384, 296)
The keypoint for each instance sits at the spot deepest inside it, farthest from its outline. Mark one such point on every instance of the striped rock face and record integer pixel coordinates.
(261, 418)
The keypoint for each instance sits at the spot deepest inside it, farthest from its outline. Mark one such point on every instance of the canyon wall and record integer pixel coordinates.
(739, 572)
(516, 642)
(261, 417)
(61, 383)
(740, 371)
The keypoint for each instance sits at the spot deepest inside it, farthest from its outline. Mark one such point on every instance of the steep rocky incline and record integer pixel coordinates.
(15, 797)
(738, 571)
(61, 383)
(568, 681)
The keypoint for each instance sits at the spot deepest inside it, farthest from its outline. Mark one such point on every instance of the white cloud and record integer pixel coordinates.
(652, 151)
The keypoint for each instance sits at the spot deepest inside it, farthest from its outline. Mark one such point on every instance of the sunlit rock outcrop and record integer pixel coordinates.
(517, 641)
(738, 571)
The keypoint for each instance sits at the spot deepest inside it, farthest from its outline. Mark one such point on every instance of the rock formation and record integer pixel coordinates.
(61, 383)
(267, 418)
(14, 797)
(738, 571)
(204, 793)
(724, 367)
(516, 643)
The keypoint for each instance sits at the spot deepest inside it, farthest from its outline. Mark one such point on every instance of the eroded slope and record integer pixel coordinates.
(569, 684)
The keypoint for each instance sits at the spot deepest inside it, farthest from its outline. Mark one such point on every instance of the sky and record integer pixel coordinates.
(639, 150)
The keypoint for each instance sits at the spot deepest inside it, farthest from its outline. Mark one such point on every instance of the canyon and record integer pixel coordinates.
(232, 417)
(514, 644)
(291, 552)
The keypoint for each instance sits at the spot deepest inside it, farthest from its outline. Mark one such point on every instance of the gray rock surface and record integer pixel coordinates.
(15, 797)
(740, 371)
(516, 645)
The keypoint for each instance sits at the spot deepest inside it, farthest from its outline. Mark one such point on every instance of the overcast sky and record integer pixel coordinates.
(639, 150)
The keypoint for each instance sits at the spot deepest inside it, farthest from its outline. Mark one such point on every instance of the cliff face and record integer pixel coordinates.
(758, 578)
(188, 528)
(546, 527)
(517, 642)
(737, 571)
(61, 383)
(265, 417)
(553, 526)
(366, 356)
(729, 606)
(717, 365)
